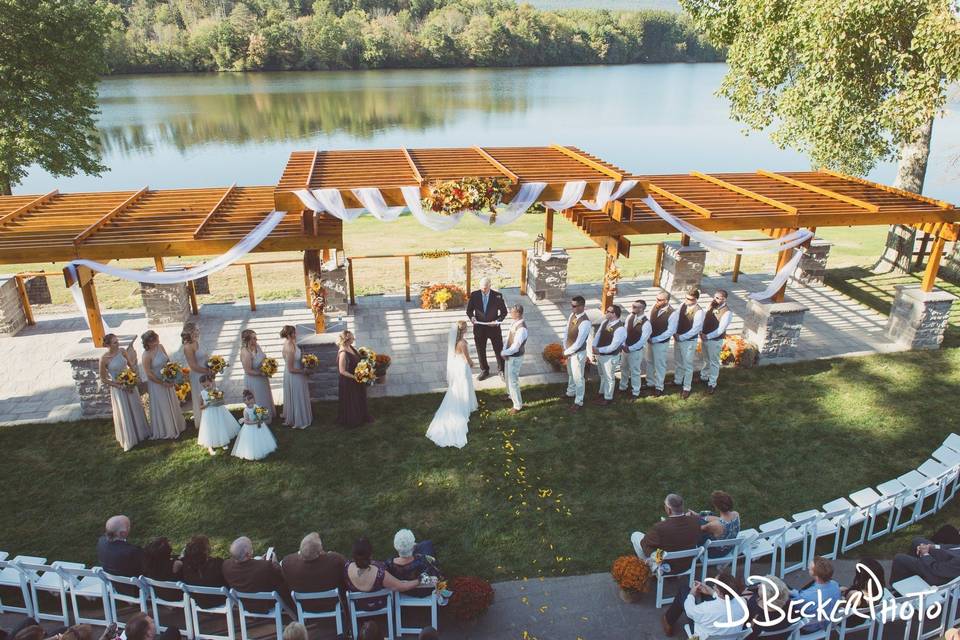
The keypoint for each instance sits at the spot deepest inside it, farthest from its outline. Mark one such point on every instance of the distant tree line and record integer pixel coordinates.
(244, 35)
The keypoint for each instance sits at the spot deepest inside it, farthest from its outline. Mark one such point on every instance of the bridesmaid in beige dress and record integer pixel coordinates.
(166, 419)
(129, 421)
(251, 356)
(297, 412)
(197, 362)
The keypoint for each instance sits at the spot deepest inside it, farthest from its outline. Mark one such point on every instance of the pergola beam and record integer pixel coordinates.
(514, 178)
(209, 217)
(683, 202)
(413, 166)
(729, 186)
(872, 208)
(593, 164)
(107, 217)
(888, 189)
(33, 204)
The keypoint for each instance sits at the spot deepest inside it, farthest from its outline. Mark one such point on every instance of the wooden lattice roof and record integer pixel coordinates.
(151, 223)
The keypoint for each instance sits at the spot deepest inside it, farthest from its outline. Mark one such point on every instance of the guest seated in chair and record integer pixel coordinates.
(937, 564)
(708, 606)
(867, 587)
(413, 560)
(114, 554)
(767, 603)
(824, 589)
(312, 569)
(365, 575)
(246, 574)
(159, 564)
(142, 627)
(200, 569)
(679, 531)
(721, 524)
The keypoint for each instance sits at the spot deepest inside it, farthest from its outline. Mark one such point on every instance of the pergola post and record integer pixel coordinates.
(608, 293)
(90, 302)
(313, 273)
(782, 259)
(933, 264)
(548, 232)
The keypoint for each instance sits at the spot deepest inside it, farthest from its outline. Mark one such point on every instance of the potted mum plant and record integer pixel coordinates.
(471, 597)
(553, 354)
(382, 364)
(632, 575)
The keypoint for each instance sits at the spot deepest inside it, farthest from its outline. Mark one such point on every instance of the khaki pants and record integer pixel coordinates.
(683, 355)
(512, 374)
(630, 364)
(575, 370)
(711, 361)
(607, 364)
(657, 364)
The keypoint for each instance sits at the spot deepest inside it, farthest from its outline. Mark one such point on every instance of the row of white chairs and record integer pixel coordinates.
(71, 582)
(842, 524)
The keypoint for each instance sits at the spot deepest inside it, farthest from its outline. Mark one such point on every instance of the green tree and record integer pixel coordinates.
(52, 53)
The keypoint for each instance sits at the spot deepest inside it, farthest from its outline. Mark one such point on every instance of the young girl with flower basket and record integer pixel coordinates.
(255, 441)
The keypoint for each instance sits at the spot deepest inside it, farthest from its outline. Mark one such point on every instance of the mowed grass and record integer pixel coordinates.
(368, 236)
(541, 493)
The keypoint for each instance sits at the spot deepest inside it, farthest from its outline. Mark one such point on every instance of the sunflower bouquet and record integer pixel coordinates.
(268, 367)
(173, 372)
(128, 378)
(365, 373)
(310, 361)
(261, 414)
(216, 397)
(182, 390)
(216, 364)
(450, 197)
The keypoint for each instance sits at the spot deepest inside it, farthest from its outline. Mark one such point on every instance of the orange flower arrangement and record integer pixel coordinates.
(738, 352)
(631, 574)
(553, 354)
(429, 299)
(611, 278)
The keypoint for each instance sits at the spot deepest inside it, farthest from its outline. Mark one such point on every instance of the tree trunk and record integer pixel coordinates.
(912, 169)
(5, 186)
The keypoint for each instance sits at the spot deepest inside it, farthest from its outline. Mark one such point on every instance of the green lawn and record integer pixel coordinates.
(541, 493)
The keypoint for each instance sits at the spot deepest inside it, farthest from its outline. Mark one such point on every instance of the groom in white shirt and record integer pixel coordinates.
(513, 356)
(606, 348)
(578, 331)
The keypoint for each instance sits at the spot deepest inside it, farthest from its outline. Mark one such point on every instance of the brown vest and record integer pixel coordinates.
(606, 333)
(634, 329)
(685, 322)
(659, 323)
(711, 322)
(510, 335)
(573, 330)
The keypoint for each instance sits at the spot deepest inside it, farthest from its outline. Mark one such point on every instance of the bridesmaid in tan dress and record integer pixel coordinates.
(166, 419)
(197, 362)
(251, 356)
(129, 421)
(297, 412)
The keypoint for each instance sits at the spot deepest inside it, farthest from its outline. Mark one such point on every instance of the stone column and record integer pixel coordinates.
(918, 319)
(12, 316)
(334, 278)
(813, 264)
(165, 303)
(38, 290)
(547, 275)
(682, 267)
(774, 327)
(324, 381)
(85, 366)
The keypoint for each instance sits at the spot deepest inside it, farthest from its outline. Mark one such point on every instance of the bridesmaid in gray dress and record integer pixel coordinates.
(297, 412)
(129, 421)
(166, 419)
(251, 356)
(197, 362)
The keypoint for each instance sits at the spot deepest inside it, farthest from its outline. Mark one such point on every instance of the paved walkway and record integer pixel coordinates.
(41, 389)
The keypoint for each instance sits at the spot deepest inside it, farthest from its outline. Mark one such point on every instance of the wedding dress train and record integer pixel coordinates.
(449, 425)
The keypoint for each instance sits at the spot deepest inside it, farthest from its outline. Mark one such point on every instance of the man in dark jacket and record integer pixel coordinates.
(679, 531)
(936, 564)
(486, 310)
(312, 569)
(114, 554)
(246, 574)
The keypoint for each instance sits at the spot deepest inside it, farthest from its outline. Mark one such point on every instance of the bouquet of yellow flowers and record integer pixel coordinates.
(216, 363)
(310, 361)
(365, 373)
(216, 397)
(450, 197)
(182, 390)
(442, 297)
(268, 367)
(173, 372)
(128, 378)
(261, 414)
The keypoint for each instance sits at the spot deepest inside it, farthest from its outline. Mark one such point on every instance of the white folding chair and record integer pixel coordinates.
(4, 555)
(89, 585)
(308, 609)
(401, 600)
(762, 545)
(790, 633)
(926, 498)
(124, 590)
(859, 622)
(852, 518)
(274, 612)
(935, 625)
(223, 607)
(904, 499)
(940, 473)
(13, 577)
(953, 611)
(793, 534)
(733, 634)
(952, 441)
(951, 458)
(160, 593)
(358, 614)
(731, 549)
(45, 577)
(822, 525)
(670, 557)
(878, 506)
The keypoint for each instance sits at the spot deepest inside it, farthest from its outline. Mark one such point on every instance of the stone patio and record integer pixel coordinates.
(41, 389)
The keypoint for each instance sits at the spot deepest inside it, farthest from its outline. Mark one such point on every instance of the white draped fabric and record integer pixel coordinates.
(429, 219)
(572, 192)
(527, 194)
(373, 201)
(781, 278)
(237, 251)
(606, 193)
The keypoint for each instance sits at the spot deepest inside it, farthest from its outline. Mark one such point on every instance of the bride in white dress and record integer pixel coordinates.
(449, 425)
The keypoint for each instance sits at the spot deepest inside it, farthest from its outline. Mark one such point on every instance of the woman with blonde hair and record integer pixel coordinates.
(252, 357)
(449, 425)
(352, 395)
(166, 418)
(297, 412)
(197, 362)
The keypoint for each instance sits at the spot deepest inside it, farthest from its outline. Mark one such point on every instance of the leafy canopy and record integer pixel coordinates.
(51, 55)
(845, 81)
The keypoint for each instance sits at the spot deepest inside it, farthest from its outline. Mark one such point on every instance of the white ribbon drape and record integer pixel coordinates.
(429, 219)
(373, 201)
(527, 194)
(781, 278)
(572, 192)
(237, 251)
(606, 193)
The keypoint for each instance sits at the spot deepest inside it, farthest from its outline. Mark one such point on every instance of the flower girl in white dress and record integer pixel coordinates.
(255, 441)
(217, 426)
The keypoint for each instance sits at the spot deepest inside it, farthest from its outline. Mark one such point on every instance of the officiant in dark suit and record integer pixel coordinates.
(487, 306)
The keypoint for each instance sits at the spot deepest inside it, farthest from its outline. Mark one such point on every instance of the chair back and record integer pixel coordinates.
(220, 594)
(126, 590)
(790, 633)
(166, 593)
(12, 575)
(251, 603)
(308, 606)
(86, 583)
(732, 548)
(687, 561)
(353, 597)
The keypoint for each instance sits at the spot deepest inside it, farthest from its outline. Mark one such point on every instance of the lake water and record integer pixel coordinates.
(215, 129)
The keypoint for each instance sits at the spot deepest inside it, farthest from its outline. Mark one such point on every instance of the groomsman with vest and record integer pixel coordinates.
(575, 343)
(486, 310)
(606, 351)
(513, 356)
(689, 324)
(638, 333)
(715, 323)
(663, 324)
